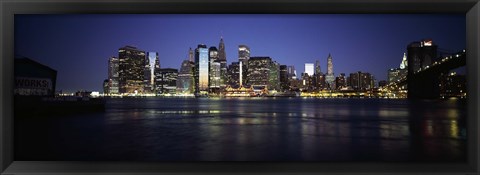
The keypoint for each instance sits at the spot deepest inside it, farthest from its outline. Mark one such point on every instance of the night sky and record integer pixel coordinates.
(78, 46)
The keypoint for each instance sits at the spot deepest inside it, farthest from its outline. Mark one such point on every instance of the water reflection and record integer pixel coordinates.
(265, 129)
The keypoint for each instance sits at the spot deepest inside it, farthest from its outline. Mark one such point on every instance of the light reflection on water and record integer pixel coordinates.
(285, 129)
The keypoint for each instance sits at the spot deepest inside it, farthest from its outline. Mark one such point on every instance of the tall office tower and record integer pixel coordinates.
(341, 81)
(149, 75)
(318, 71)
(291, 72)
(106, 87)
(284, 86)
(330, 77)
(190, 55)
(168, 80)
(243, 54)
(201, 69)
(113, 75)
(214, 70)
(361, 80)
(131, 70)
(234, 74)
(259, 73)
(222, 56)
(185, 82)
(240, 73)
(274, 76)
(309, 69)
(156, 78)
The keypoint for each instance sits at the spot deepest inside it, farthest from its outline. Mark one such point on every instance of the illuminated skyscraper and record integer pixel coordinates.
(201, 69)
(259, 71)
(222, 56)
(404, 62)
(234, 74)
(243, 53)
(292, 73)
(190, 55)
(185, 82)
(156, 71)
(214, 70)
(274, 76)
(113, 75)
(149, 75)
(309, 69)
(168, 81)
(341, 81)
(330, 77)
(361, 81)
(318, 71)
(283, 78)
(131, 70)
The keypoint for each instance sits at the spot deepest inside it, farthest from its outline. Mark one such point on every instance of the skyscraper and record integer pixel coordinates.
(222, 56)
(214, 70)
(283, 78)
(292, 73)
(309, 69)
(168, 80)
(156, 71)
(243, 53)
(274, 76)
(340, 81)
(234, 74)
(185, 82)
(201, 69)
(131, 70)
(404, 62)
(190, 55)
(113, 68)
(149, 75)
(330, 77)
(318, 71)
(361, 81)
(262, 71)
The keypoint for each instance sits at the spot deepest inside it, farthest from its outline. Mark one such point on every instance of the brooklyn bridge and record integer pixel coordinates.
(424, 83)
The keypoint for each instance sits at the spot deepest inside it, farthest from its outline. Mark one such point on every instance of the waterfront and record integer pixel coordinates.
(250, 129)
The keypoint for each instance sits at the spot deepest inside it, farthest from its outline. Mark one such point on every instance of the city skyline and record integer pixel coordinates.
(54, 42)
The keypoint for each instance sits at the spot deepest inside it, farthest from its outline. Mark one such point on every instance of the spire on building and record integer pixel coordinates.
(404, 62)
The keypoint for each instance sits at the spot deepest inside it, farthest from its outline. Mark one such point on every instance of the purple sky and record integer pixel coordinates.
(78, 46)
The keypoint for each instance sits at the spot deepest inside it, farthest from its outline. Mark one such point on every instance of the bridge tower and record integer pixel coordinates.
(419, 56)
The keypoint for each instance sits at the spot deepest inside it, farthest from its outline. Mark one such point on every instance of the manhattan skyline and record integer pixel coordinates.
(78, 46)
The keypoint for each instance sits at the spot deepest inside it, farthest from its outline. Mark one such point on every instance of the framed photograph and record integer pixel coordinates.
(224, 87)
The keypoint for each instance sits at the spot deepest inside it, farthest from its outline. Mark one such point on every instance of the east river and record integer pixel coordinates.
(251, 129)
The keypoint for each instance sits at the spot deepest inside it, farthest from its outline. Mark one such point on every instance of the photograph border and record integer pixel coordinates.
(8, 8)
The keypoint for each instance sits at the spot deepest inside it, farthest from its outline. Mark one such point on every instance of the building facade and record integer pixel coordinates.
(361, 81)
(113, 76)
(330, 77)
(33, 78)
(309, 69)
(185, 81)
(201, 70)
(222, 56)
(167, 81)
(131, 70)
(284, 85)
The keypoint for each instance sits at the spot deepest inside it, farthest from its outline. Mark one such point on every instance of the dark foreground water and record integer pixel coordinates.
(250, 129)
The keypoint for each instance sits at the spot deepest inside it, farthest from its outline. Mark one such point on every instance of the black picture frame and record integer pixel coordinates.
(9, 8)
